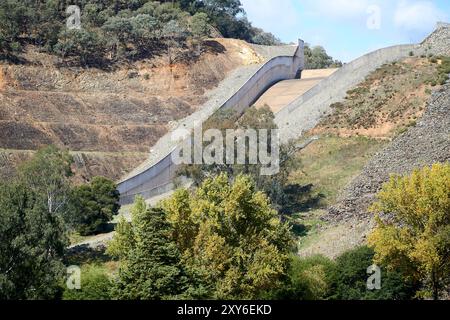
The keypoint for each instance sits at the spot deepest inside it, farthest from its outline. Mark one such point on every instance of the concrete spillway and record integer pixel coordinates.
(285, 92)
(156, 175)
(298, 103)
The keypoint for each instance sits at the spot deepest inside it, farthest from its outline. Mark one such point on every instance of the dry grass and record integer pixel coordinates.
(331, 162)
(390, 99)
(333, 240)
(388, 102)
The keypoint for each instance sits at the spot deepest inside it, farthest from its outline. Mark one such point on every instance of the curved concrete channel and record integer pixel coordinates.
(298, 105)
(156, 175)
(285, 92)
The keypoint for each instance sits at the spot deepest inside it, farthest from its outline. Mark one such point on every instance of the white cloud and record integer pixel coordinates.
(417, 16)
(337, 8)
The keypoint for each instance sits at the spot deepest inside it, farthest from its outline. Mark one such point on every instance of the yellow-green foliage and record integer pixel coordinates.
(124, 239)
(95, 285)
(417, 240)
(180, 216)
(231, 237)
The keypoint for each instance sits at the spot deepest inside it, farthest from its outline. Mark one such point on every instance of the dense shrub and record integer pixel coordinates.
(348, 279)
(199, 25)
(307, 279)
(86, 45)
(96, 204)
(95, 285)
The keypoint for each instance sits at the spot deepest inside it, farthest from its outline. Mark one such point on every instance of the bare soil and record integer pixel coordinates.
(389, 101)
(115, 112)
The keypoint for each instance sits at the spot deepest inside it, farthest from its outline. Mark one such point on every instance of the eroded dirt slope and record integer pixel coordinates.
(112, 118)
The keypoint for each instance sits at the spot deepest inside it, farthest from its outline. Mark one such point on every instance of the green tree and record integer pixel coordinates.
(199, 25)
(118, 31)
(173, 34)
(150, 262)
(307, 279)
(223, 7)
(32, 243)
(96, 203)
(416, 239)
(317, 58)
(179, 214)
(10, 16)
(47, 174)
(133, 36)
(223, 14)
(86, 45)
(348, 280)
(240, 248)
(33, 210)
(264, 38)
(49, 19)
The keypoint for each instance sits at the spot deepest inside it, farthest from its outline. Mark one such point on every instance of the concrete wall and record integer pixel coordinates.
(157, 178)
(304, 113)
(275, 70)
(442, 25)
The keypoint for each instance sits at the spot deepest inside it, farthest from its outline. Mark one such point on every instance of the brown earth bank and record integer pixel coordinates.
(114, 112)
(391, 99)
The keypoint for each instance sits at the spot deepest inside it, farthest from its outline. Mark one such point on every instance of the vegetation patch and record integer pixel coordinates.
(115, 31)
(388, 100)
(331, 162)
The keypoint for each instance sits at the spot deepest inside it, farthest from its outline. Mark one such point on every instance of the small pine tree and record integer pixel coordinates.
(96, 204)
(151, 266)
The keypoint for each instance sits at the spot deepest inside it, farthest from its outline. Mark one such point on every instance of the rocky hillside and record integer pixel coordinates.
(424, 144)
(437, 42)
(109, 119)
(404, 116)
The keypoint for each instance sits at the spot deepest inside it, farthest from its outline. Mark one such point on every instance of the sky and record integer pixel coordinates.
(348, 28)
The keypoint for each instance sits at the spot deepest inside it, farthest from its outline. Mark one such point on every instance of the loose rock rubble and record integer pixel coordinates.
(425, 144)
